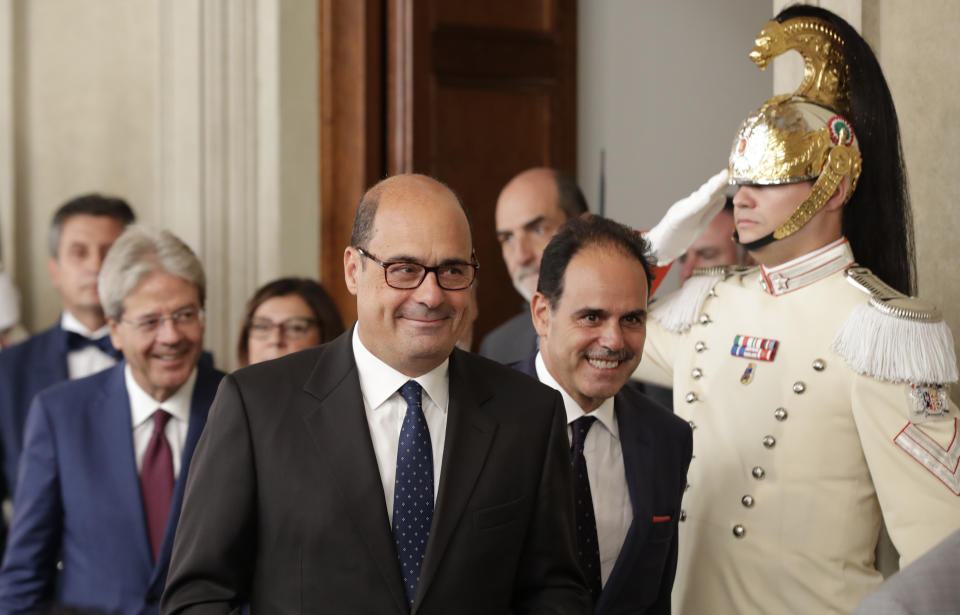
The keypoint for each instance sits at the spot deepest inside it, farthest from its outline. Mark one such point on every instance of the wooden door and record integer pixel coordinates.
(475, 92)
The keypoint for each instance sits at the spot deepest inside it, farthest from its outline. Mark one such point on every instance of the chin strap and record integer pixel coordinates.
(843, 161)
(753, 245)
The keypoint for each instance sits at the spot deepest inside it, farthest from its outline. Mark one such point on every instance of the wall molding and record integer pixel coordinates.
(207, 157)
(8, 220)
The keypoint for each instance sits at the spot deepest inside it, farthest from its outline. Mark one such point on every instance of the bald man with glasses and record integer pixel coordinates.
(387, 471)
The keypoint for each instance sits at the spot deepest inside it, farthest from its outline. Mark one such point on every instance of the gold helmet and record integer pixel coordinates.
(800, 136)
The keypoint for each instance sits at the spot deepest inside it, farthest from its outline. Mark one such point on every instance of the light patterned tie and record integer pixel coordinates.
(588, 547)
(156, 481)
(413, 492)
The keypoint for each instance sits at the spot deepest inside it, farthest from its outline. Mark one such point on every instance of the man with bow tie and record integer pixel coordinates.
(81, 232)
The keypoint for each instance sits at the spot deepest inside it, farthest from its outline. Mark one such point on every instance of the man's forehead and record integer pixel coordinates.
(419, 233)
(599, 266)
(81, 226)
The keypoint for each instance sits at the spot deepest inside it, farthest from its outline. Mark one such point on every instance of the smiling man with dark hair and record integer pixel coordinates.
(590, 311)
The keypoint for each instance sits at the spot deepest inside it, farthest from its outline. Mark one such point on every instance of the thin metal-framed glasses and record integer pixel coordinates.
(404, 275)
(186, 317)
(293, 328)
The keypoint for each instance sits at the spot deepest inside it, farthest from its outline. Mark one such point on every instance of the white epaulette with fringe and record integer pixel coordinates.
(895, 338)
(679, 310)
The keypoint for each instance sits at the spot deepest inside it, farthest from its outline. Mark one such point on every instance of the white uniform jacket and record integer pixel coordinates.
(798, 459)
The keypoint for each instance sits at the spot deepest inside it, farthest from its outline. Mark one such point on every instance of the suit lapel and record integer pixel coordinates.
(203, 393)
(338, 427)
(639, 463)
(121, 464)
(469, 434)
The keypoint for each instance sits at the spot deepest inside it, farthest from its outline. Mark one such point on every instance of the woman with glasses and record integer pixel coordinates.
(285, 316)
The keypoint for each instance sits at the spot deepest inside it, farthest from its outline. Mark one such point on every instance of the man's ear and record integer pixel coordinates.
(115, 338)
(839, 197)
(541, 313)
(53, 270)
(351, 269)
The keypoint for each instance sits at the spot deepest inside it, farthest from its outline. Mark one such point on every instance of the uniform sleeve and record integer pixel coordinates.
(29, 565)
(914, 466)
(215, 546)
(656, 366)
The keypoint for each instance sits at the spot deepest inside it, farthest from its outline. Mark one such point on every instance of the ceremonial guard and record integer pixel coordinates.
(816, 387)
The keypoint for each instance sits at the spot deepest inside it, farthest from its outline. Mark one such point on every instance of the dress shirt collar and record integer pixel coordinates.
(378, 381)
(69, 322)
(142, 406)
(604, 414)
(807, 269)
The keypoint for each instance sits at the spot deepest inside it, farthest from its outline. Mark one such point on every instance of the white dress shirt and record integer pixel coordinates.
(608, 479)
(88, 360)
(385, 409)
(142, 407)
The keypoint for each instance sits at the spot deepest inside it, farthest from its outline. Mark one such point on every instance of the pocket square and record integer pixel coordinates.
(661, 519)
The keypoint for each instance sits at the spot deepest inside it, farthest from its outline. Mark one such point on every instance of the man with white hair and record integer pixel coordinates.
(106, 457)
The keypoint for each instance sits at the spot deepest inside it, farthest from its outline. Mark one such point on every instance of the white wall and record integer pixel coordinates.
(203, 114)
(663, 87)
(917, 46)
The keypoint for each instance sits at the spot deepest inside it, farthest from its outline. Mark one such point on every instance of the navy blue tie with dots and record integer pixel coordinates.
(588, 547)
(413, 492)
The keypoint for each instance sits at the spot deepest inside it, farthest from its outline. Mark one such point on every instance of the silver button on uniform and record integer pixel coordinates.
(697, 373)
(739, 531)
(747, 501)
(819, 365)
(704, 319)
(690, 397)
(799, 387)
(700, 346)
(759, 473)
(769, 441)
(780, 414)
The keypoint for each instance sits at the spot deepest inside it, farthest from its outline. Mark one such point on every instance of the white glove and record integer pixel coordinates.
(687, 219)
(9, 302)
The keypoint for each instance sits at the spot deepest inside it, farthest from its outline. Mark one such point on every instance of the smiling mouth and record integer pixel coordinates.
(603, 363)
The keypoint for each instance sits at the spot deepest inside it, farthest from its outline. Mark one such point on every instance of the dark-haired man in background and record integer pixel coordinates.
(81, 232)
(530, 209)
(629, 455)
(715, 246)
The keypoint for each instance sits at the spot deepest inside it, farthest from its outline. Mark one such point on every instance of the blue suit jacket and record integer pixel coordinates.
(25, 370)
(657, 447)
(79, 501)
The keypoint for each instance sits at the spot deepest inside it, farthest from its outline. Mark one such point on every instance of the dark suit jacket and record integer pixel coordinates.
(657, 447)
(26, 369)
(514, 340)
(79, 501)
(285, 505)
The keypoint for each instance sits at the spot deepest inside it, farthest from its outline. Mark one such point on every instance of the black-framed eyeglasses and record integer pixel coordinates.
(406, 276)
(293, 328)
